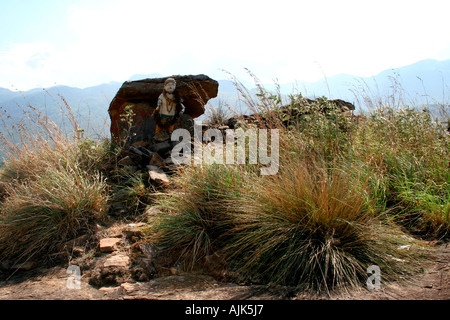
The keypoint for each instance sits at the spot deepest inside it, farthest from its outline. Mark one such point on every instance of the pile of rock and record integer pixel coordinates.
(133, 126)
(291, 112)
(121, 258)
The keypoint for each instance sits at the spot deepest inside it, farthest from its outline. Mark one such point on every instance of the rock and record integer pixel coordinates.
(129, 286)
(118, 260)
(157, 160)
(293, 114)
(143, 270)
(126, 161)
(174, 271)
(78, 250)
(26, 266)
(152, 167)
(168, 161)
(161, 136)
(157, 175)
(233, 123)
(169, 164)
(147, 249)
(140, 155)
(136, 225)
(117, 209)
(215, 265)
(142, 95)
(109, 276)
(162, 147)
(109, 244)
(186, 122)
(133, 230)
(159, 178)
(144, 144)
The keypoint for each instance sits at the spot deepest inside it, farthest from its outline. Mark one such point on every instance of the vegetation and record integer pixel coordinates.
(348, 194)
(55, 187)
(50, 188)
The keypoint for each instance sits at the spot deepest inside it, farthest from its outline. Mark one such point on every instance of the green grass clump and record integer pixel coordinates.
(425, 211)
(132, 191)
(40, 215)
(51, 190)
(336, 206)
(308, 227)
(194, 216)
(406, 157)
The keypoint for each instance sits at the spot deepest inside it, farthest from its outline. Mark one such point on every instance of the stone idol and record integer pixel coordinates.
(145, 112)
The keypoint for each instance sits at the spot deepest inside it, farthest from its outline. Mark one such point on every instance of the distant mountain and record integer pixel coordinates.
(89, 105)
(6, 94)
(429, 79)
(424, 82)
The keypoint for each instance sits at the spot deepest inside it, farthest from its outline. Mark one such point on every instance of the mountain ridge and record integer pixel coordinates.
(426, 81)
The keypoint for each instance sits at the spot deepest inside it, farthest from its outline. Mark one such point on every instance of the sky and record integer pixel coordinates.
(84, 43)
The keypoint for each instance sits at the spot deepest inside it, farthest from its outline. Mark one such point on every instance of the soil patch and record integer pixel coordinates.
(54, 284)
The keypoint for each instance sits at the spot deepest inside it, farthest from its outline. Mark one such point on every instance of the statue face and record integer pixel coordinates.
(169, 87)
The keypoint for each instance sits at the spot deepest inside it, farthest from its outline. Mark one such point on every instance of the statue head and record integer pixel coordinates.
(169, 85)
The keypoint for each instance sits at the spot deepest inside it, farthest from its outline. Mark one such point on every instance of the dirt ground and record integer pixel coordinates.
(52, 284)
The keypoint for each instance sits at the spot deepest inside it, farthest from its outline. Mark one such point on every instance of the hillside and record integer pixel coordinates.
(89, 105)
(348, 197)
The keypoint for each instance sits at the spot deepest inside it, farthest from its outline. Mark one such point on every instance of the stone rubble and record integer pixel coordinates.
(109, 244)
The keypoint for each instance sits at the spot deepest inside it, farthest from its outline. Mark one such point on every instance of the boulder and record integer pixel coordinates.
(291, 114)
(109, 244)
(142, 95)
(157, 160)
(162, 147)
(139, 155)
(157, 176)
(119, 260)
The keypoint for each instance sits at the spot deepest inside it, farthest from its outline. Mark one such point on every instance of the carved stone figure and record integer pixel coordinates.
(167, 112)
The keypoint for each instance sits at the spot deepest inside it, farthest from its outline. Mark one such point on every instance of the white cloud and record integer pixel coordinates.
(27, 64)
(282, 39)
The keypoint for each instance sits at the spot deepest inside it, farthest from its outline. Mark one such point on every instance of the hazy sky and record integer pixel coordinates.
(87, 42)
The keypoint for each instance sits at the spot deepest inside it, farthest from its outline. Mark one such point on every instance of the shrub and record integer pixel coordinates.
(133, 192)
(405, 154)
(311, 225)
(307, 227)
(195, 214)
(40, 214)
(51, 190)
(324, 217)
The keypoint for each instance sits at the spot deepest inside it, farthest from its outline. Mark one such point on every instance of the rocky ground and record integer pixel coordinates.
(124, 268)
